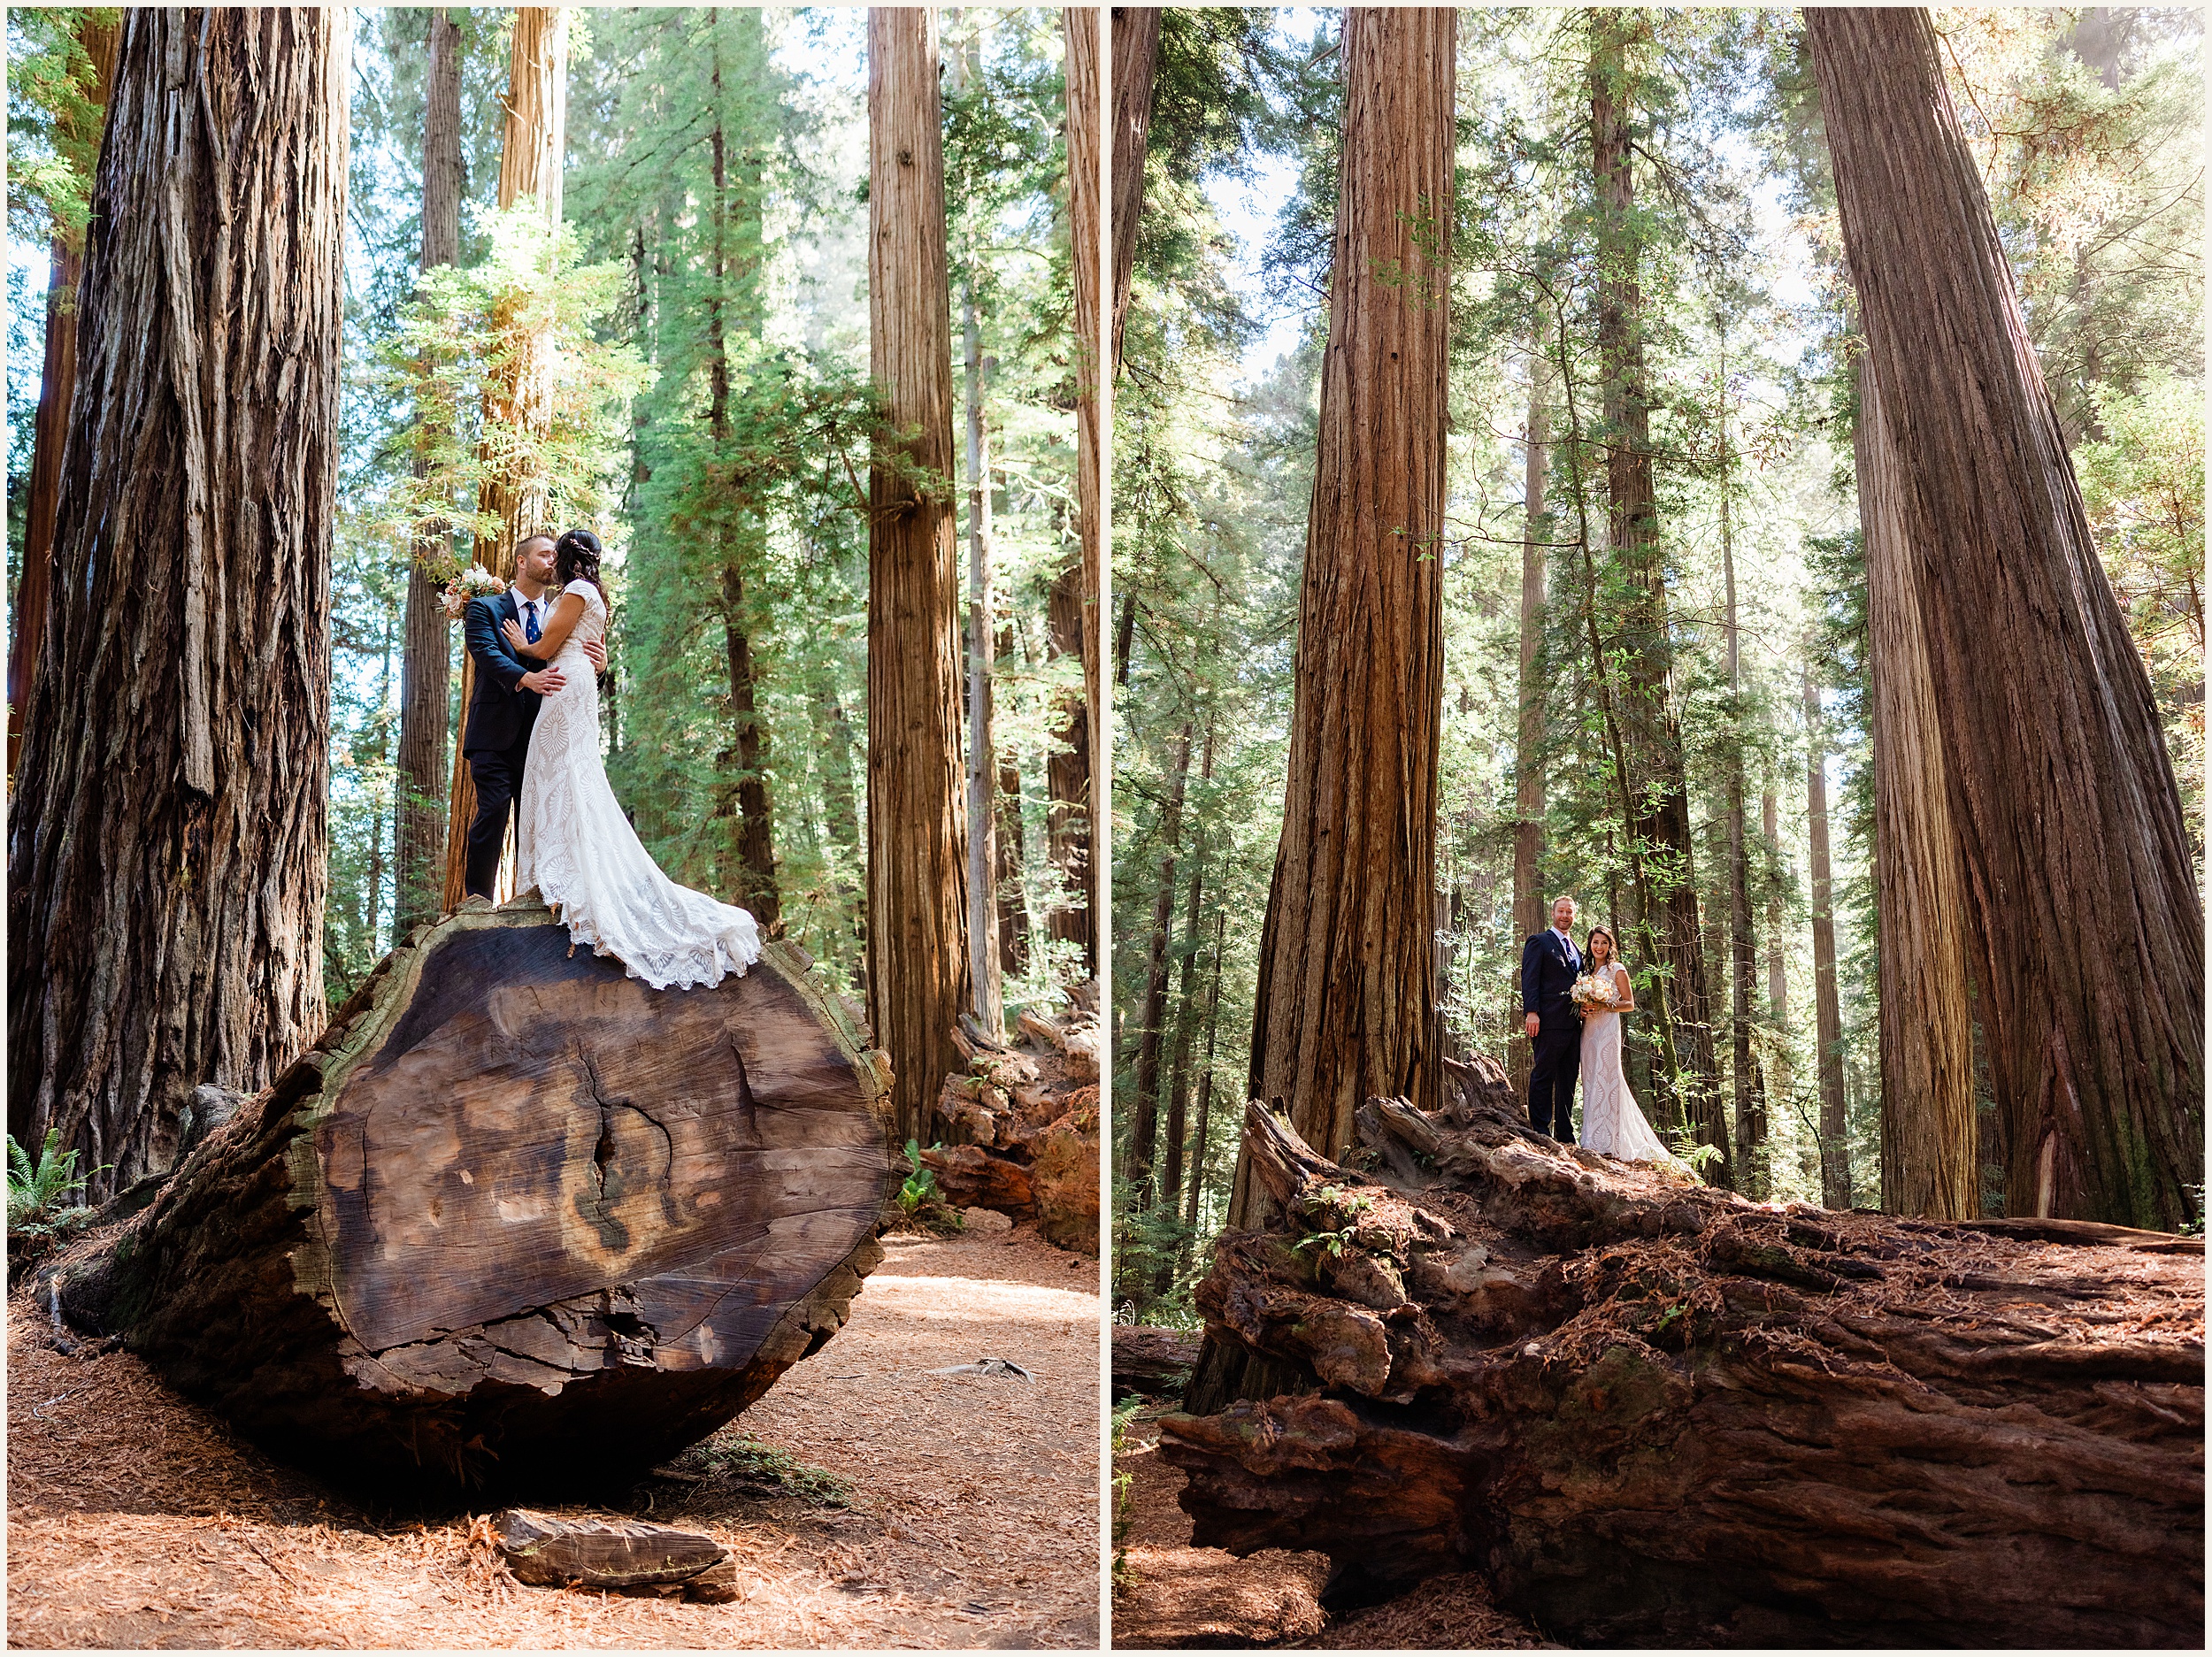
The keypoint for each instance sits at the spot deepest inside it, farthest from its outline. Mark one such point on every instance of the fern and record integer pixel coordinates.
(34, 1187)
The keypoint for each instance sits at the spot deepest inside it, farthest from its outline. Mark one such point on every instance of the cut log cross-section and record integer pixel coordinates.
(516, 1215)
(1657, 1414)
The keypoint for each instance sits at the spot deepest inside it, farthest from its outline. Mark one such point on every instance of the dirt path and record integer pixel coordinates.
(971, 1520)
(1176, 1596)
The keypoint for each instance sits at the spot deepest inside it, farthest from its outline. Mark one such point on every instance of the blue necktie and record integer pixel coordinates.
(530, 623)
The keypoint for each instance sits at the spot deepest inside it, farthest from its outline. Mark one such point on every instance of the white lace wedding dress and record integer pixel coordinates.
(574, 843)
(1611, 1123)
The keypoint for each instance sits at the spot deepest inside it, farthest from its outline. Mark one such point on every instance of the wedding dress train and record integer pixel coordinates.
(1611, 1122)
(574, 843)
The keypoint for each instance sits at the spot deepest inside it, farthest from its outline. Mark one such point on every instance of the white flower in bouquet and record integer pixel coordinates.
(473, 582)
(1593, 992)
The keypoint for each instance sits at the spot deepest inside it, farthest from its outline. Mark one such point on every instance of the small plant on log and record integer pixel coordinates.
(921, 1200)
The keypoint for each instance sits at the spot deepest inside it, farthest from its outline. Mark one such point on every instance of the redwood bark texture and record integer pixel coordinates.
(57, 378)
(515, 1218)
(1347, 962)
(426, 660)
(530, 152)
(918, 830)
(1927, 1039)
(1656, 1413)
(2089, 927)
(1136, 65)
(1076, 776)
(166, 837)
(1835, 1146)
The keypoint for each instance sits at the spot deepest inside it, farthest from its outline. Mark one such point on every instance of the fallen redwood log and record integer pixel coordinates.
(1654, 1413)
(517, 1219)
(1151, 1362)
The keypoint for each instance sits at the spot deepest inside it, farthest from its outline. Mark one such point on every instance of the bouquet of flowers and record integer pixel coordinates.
(1594, 993)
(475, 581)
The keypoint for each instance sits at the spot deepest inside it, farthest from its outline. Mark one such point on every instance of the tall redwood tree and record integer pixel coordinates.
(2089, 928)
(917, 831)
(166, 837)
(426, 661)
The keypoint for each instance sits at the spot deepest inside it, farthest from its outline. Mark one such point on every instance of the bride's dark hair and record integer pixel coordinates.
(1612, 944)
(576, 556)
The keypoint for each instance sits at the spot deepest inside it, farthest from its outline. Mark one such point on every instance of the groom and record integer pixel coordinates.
(505, 705)
(1550, 965)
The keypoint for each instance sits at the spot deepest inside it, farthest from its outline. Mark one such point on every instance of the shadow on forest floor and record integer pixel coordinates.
(867, 1502)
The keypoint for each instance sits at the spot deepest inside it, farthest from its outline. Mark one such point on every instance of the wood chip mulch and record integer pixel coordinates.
(137, 1521)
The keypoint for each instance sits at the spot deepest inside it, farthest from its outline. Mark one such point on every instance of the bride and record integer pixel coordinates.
(572, 841)
(1611, 1123)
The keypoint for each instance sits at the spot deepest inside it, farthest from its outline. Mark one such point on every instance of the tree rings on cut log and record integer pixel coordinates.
(517, 1215)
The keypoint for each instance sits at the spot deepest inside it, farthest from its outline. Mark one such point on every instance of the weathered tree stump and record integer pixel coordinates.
(614, 1556)
(1020, 1127)
(1655, 1413)
(516, 1219)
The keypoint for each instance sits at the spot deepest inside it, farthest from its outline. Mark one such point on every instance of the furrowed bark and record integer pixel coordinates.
(1346, 1004)
(917, 829)
(1927, 1037)
(2089, 926)
(1835, 1146)
(166, 834)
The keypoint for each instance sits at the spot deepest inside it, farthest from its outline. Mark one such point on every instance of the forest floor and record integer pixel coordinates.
(969, 1516)
(1177, 1596)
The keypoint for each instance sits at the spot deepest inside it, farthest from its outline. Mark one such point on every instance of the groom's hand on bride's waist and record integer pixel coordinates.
(544, 681)
(597, 653)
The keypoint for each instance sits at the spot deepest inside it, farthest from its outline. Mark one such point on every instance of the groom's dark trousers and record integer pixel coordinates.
(1549, 969)
(498, 743)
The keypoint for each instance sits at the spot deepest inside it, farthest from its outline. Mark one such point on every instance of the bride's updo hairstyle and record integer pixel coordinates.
(576, 556)
(1612, 945)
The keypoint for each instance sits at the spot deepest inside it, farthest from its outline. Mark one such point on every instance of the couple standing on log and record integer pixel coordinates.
(533, 741)
(1572, 1001)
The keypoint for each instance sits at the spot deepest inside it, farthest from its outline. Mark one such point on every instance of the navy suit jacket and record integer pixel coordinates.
(499, 712)
(1548, 976)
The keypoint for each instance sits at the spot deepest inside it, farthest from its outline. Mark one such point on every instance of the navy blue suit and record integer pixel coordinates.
(1549, 969)
(497, 741)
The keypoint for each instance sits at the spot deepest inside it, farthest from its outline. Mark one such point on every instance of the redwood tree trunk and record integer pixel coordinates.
(1144, 1115)
(1927, 1044)
(917, 829)
(167, 837)
(1835, 1146)
(1750, 1097)
(57, 380)
(1136, 63)
(531, 147)
(1075, 593)
(1528, 767)
(1661, 792)
(1347, 963)
(983, 758)
(2089, 925)
(426, 675)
